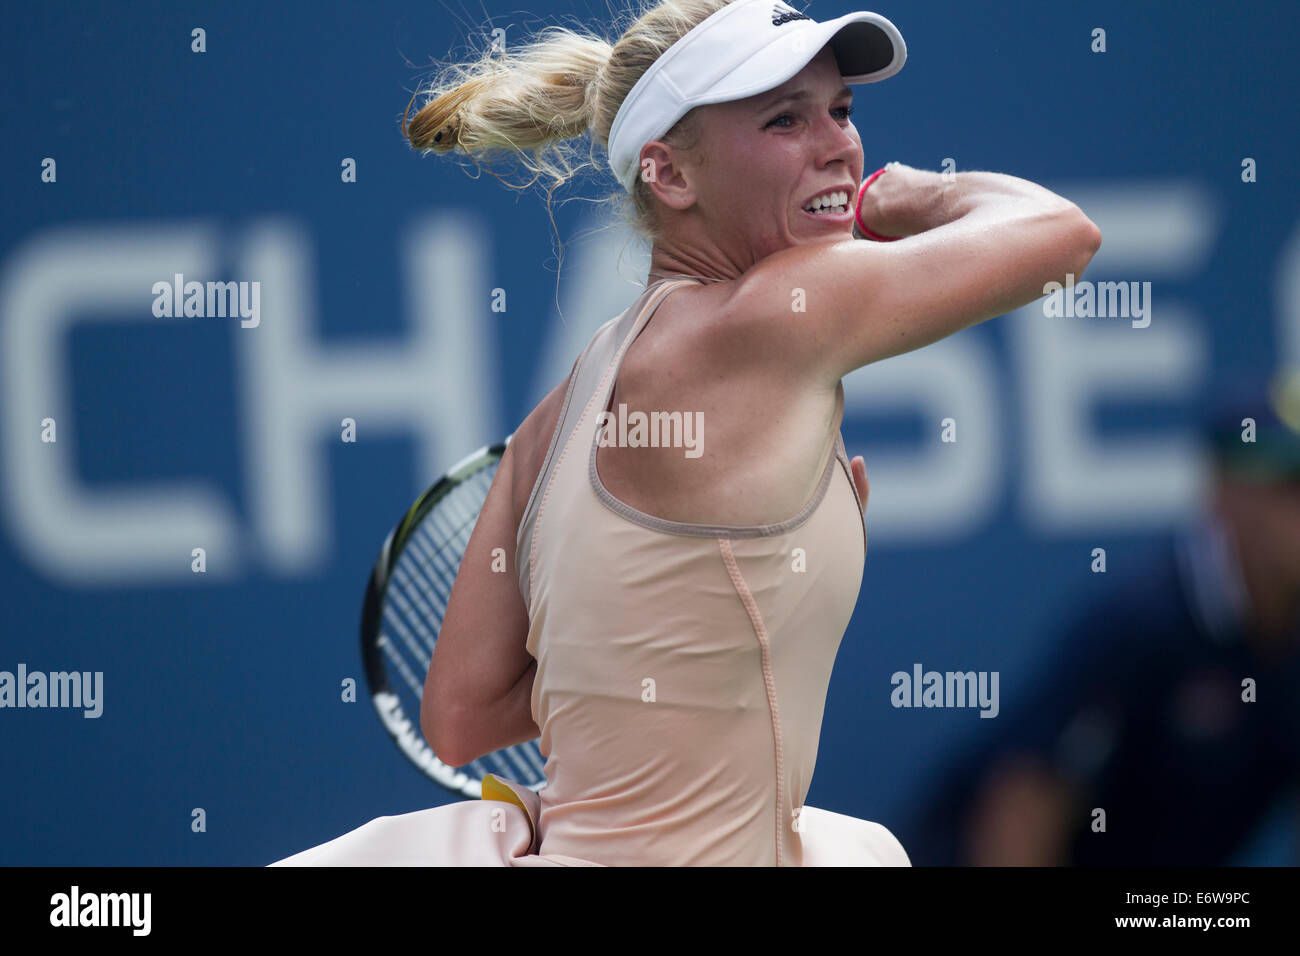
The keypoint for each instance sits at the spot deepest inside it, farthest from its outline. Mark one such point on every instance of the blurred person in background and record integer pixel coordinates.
(1145, 712)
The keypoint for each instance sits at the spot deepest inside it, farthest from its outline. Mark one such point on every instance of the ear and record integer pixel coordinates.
(668, 176)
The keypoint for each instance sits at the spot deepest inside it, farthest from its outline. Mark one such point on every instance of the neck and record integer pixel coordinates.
(664, 262)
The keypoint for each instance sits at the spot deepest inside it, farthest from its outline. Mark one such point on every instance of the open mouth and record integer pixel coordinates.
(831, 205)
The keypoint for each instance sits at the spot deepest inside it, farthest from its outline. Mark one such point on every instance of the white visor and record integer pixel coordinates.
(746, 48)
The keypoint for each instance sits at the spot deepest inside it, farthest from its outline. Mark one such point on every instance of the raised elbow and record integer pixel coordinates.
(1091, 236)
(1086, 238)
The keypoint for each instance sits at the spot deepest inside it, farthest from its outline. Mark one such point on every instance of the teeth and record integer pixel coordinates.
(832, 202)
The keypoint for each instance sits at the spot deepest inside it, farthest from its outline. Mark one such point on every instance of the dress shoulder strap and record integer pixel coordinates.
(588, 372)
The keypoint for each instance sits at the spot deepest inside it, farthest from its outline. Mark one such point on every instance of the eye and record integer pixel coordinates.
(776, 121)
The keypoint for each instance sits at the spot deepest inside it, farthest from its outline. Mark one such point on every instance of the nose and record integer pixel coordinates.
(837, 142)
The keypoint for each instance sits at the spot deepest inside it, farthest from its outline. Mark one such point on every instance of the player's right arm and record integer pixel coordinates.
(478, 691)
(976, 245)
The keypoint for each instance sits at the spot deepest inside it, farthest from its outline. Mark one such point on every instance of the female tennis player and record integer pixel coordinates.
(671, 620)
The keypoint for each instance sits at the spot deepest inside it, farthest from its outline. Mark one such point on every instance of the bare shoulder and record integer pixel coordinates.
(710, 351)
(755, 324)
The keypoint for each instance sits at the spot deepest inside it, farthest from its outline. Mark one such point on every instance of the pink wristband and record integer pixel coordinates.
(857, 211)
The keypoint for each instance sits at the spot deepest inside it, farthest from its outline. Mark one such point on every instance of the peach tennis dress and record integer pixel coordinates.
(681, 676)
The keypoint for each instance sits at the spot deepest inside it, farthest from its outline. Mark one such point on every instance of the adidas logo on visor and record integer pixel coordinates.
(783, 14)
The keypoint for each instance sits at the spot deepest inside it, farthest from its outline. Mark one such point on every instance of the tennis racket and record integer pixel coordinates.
(406, 599)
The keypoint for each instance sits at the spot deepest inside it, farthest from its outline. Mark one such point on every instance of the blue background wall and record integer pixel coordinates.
(222, 690)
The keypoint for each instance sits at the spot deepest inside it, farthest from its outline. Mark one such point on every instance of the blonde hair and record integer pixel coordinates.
(527, 101)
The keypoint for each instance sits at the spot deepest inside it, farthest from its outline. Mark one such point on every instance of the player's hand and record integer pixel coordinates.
(889, 204)
(859, 469)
